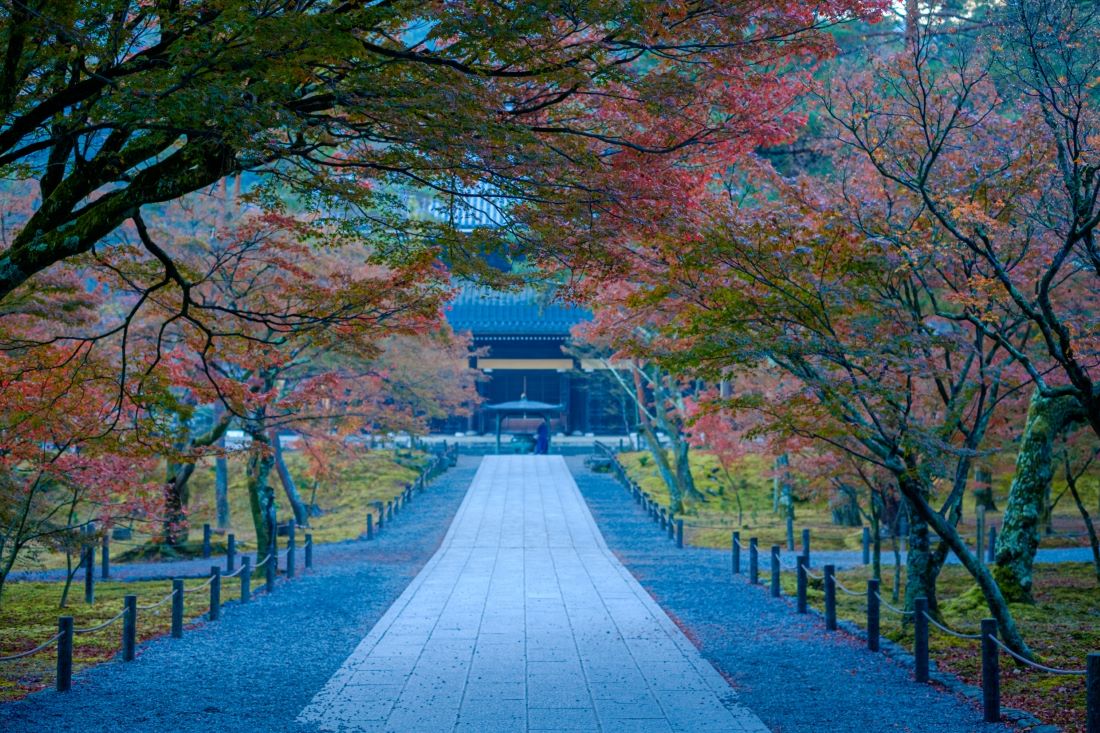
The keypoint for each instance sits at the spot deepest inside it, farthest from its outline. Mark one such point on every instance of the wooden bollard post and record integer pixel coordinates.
(991, 553)
(806, 546)
(802, 579)
(215, 593)
(246, 579)
(370, 525)
(735, 552)
(775, 571)
(271, 569)
(389, 511)
(830, 597)
(1092, 693)
(754, 562)
(205, 541)
(309, 551)
(177, 608)
(105, 558)
(231, 553)
(671, 527)
(873, 615)
(291, 550)
(661, 518)
(866, 546)
(920, 639)
(991, 672)
(129, 627)
(679, 533)
(89, 574)
(65, 654)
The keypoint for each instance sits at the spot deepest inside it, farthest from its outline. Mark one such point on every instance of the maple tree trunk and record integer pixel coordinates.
(921, 568)
(915, 491)
(1018, 539)
(175, 526)
(676, 500)
(221, 491)
(261, 497)
(301, 513)
(1090, 527)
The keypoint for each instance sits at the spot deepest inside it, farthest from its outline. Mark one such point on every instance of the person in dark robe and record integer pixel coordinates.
(542, 438)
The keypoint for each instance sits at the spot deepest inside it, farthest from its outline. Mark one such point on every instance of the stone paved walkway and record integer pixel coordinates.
(524, 621)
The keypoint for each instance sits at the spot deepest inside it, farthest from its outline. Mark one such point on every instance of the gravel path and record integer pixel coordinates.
(257, 667)
(785, 667)
(851, 559)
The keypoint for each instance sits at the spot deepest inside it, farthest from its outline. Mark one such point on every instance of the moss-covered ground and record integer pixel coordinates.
(29, 615)
(354, 485)
(744, 501)
(28, 610)
(1062, 627)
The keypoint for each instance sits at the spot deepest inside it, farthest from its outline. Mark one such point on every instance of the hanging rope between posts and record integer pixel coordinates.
(29, 652)
(844, 589)
(161, 602)
(1036, 665)
(100, 627)
(895, 609)
(812, 575)
(944, 629)
(260, 564)
(233, 574)
(197, 588)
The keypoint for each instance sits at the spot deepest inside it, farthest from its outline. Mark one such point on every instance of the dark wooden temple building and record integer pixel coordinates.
(522, 340)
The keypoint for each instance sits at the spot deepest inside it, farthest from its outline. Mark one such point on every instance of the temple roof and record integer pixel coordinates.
(527, 312)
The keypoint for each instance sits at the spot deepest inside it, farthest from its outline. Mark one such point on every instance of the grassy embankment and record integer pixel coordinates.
(708, 523)
(355, 486)
(29, 614)
(1062, 626)
(29, 611)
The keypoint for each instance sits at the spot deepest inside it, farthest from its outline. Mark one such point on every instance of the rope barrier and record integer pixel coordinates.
(29, 652)
(260, 564)
(100, 627)
(845, 589)
(809, 574)
(1036, 665)
(233, 574)
(895, 609)
(197, 588)
(952, 632)
(161, 602)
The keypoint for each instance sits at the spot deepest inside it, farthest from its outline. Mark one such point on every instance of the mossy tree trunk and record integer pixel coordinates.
(915, 490)
(175, 527)
(1021, 523)
(921, 568)
(261, 497)
(301, 512)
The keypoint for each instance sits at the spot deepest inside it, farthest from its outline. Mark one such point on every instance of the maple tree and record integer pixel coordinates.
(992, 146)
(70, 453)
(619, 338)
(771, 274)
(115, 105)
